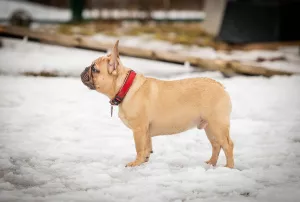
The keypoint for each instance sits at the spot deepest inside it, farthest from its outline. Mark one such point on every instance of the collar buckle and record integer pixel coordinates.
(124, 89)
(115, 101)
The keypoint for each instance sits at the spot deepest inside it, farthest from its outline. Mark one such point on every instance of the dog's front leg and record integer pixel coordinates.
(142, 141)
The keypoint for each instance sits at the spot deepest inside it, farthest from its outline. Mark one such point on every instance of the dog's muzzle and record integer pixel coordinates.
(87, 78)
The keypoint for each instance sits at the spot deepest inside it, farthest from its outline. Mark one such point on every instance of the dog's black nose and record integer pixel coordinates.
(84, 75)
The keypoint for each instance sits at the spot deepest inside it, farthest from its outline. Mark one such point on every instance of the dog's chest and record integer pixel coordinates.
(123, 118)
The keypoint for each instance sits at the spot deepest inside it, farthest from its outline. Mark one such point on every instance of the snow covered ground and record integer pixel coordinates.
(59, 143)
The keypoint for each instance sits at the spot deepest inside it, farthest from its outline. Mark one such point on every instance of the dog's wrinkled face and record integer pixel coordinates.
(100, 75)
(87, 78)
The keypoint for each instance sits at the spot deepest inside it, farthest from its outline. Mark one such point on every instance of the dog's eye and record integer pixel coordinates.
(94, 69)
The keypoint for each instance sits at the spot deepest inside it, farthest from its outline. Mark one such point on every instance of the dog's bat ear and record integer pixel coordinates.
(113, 63)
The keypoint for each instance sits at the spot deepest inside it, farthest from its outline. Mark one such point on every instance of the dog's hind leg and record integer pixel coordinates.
(216, 147)
(227, 146)
(218, 135)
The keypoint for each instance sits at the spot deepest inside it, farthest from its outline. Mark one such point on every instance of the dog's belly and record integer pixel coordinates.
(168, 125)
(157, 130)
(172, 126)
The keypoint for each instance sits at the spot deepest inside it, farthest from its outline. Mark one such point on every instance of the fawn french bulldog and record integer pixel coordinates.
(152, 107)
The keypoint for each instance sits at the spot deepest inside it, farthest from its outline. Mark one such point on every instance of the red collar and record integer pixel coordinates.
(124, 89)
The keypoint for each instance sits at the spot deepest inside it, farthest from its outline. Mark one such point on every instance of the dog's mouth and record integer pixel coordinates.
(87, 78)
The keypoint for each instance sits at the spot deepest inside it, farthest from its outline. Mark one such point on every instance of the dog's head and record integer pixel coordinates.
(101, 74)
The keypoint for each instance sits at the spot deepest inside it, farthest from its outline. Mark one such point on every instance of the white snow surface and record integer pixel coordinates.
(59, 143)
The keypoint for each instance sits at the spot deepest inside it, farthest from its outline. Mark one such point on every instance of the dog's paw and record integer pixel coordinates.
(211, 162)
(229, 166)
(134, 163)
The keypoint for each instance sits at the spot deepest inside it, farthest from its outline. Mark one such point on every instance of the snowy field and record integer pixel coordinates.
(59, 143)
